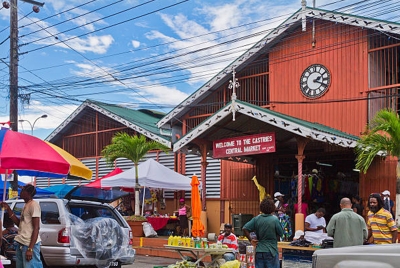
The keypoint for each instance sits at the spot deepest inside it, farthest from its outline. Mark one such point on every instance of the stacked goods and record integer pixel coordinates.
(247, 260)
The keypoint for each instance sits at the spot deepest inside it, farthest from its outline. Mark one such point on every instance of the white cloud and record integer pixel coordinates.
(56, 115)
(135, 43)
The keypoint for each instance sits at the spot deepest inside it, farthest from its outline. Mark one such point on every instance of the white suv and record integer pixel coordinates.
(82, 229)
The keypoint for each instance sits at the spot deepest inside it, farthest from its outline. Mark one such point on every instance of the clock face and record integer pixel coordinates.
(315, 81)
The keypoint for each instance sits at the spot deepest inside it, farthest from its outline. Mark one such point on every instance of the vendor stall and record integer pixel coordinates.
(201, 253)
(296, 257)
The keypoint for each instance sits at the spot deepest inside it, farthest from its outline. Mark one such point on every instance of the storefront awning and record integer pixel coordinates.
(252, 119)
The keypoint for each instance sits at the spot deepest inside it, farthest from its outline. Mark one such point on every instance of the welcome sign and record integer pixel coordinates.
(245, 145)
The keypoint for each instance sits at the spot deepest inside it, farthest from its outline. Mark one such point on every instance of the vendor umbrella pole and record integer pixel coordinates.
(4, 194)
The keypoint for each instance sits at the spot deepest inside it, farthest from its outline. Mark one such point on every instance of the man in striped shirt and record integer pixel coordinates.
(228, 238)
(381, 225)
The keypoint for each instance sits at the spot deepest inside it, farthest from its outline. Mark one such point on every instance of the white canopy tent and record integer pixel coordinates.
(152, 175)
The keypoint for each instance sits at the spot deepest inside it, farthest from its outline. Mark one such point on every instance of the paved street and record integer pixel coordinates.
(150, 262)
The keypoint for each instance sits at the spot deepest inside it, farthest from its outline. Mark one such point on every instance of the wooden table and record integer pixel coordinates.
(293, 256)
(201, 253)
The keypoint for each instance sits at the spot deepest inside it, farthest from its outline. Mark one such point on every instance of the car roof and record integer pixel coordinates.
(85, 193)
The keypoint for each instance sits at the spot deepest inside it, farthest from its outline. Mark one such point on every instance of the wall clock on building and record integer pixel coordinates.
(315, 81)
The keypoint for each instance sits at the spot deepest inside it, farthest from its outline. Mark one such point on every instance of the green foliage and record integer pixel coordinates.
(383, 136)
(133, 147)
(135, 218)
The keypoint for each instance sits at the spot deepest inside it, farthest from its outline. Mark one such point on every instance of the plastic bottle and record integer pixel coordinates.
(187, 242)
(192, 242)
(175, 243)
(170, 240)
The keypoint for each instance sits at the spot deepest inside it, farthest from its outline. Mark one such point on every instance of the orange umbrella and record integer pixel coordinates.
(198, 227)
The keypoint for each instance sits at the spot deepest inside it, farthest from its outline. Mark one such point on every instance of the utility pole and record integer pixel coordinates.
(14, 66)
(14, 69)
(14, 59)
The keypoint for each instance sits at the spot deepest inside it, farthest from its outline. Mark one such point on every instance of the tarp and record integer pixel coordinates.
(60, 190)
(152, 175)
(39, 191)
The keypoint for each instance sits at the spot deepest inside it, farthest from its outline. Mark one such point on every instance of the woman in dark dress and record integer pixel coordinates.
(357, 205)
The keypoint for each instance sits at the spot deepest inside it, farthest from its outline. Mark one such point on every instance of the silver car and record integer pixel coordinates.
(82, 229)
(377, 256)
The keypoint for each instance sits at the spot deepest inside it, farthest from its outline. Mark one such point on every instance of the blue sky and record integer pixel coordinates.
(141, 54)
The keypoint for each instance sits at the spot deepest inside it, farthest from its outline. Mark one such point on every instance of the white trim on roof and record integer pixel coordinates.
(112, 116)
(68, 120)
(266, 117)
(336, 17)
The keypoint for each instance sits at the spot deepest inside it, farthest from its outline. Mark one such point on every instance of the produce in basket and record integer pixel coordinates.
(182, 264)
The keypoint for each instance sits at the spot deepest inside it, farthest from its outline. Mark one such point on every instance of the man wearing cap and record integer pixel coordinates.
(228, 238)
(28, 249)
(346, 227)
(388, 204)
(278, 201)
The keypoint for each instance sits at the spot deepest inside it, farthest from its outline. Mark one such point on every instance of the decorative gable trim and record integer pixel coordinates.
(114, 117)
(276, 33)
(271, 118)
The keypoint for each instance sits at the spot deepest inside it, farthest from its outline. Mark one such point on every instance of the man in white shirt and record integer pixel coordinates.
(387, 203)
(316, 222)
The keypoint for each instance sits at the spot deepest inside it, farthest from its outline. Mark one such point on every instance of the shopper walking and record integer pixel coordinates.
(346, 227)
(267, 229)
(381, 225)
(28, 249)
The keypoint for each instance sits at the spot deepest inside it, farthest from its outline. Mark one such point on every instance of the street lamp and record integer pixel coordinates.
(34, 122)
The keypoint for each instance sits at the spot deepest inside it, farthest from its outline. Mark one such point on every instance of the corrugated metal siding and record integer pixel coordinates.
(193, 166)
(340, 48)
(213, 174)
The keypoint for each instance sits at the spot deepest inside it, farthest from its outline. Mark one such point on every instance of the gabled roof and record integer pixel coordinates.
(142, 121)
(271, 39)
(274, 121)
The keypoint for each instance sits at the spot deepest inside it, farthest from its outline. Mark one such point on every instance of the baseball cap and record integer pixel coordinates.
(298, 233)
(228, 225)
(278, 194)
(386, 192)
(181, 200)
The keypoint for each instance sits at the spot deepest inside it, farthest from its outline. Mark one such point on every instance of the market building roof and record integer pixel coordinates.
(265, 44)
(142, 121)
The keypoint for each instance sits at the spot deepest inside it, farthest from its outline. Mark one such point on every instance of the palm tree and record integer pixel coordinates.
(133, 148)
(383, 136)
